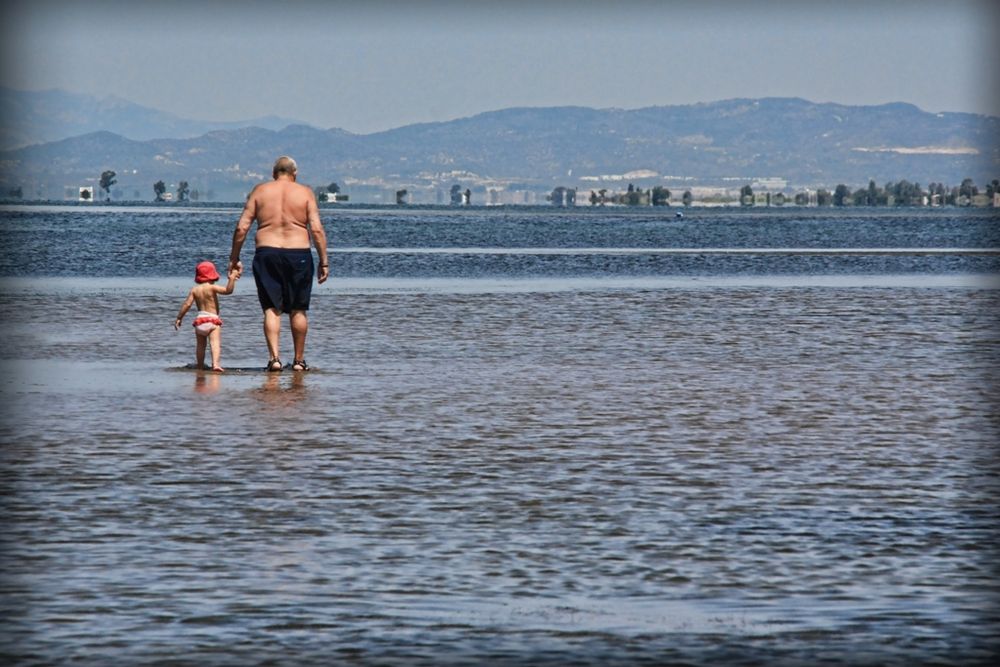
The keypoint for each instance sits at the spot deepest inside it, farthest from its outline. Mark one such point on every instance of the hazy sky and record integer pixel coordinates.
(369, 66)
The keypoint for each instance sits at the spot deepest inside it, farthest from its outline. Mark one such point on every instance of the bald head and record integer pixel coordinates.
(285, 165)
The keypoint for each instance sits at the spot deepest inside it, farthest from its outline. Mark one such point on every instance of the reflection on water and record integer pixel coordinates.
(206, 383)
(283, 391)
(732, 474)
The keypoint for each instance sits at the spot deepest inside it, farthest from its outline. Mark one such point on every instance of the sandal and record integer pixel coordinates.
(274, 365)
(300, 365)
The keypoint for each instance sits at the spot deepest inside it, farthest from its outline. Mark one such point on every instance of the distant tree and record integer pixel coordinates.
(333, 188)
(968, 188)
(467, 197)
(107, 180)
(563, 196)
(953, 196)
(401, 196)
(321, 194)
(160, 189)
(905, 193)
(660, 196)
(746, 196)
(823, 197)
(456, 195)
(634, 197)
(686, 198)
(872, 193)
(841, 194)
(182, 191)
(992, 188)
(602, 196)
(85, 195)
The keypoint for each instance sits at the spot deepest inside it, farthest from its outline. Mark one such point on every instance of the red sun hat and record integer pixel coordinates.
(205, 272)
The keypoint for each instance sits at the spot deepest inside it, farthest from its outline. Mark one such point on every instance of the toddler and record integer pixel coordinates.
(205, 295)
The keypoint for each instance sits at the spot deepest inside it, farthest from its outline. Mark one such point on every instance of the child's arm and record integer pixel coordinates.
(184, 308)
(234, 275)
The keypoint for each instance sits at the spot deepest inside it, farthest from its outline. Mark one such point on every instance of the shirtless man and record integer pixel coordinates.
(287, 216)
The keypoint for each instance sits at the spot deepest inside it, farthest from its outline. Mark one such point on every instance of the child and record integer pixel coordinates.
(207, 324)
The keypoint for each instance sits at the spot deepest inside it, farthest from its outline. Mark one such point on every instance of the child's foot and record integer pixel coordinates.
(300, 365)
(218, 369)
(274, 365)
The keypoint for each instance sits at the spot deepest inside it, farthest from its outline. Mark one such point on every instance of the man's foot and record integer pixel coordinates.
(274, 365)
(218, 369)
(300, 365)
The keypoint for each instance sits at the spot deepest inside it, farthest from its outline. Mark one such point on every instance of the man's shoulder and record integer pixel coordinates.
(282, 190)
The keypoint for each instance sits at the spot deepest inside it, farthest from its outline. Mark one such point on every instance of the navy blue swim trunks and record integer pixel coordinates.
(284, 278)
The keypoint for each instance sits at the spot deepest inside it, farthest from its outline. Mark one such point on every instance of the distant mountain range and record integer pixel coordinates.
(727, 143)
(35, 117)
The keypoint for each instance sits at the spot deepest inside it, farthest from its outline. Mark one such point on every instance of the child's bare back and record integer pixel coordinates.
(206, 297)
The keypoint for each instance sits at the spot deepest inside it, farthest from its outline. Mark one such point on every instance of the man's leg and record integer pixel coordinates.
(272, 331)
(300, 327)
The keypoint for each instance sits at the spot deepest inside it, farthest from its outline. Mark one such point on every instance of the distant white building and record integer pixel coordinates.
(773, 184)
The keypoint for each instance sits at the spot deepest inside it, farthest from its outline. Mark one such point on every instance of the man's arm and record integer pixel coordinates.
(318, 237)
(242, 228)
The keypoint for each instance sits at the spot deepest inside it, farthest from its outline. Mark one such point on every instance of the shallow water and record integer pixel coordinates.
(605, 469)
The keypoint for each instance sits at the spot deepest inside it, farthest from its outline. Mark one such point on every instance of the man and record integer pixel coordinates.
(286, 215)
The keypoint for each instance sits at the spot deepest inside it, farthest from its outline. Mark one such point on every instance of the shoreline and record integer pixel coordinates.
(96, 206)
(170, 285)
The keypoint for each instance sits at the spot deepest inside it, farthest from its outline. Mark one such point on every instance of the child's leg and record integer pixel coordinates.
(199, 350)
(215, 338)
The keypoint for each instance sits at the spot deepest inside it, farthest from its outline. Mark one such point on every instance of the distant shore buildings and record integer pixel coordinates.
(462, 188)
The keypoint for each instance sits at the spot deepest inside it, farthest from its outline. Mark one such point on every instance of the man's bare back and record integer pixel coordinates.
(286, 214)
(284, 211)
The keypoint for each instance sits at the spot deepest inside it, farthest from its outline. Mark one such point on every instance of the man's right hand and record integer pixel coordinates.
(323, 274)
